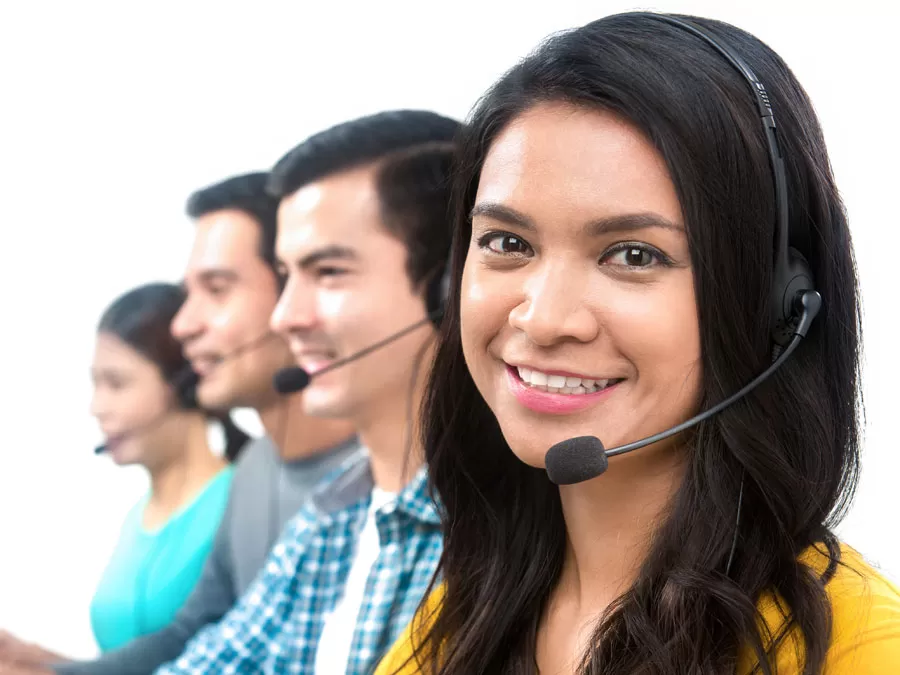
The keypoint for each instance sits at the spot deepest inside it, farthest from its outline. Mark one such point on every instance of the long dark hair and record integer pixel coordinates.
(141, 318)
(795, 441)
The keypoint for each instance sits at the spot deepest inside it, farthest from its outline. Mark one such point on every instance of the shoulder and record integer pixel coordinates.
(400, 660)
(211, 500)
(254, 468)
(258, 453)
(865, 608)
(330, 517)
(866, 617)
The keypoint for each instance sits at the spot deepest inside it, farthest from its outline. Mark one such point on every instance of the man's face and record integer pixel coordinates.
(347, 289)
(224, 323)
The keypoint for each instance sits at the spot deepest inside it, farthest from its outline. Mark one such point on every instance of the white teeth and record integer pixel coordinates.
(560, 384)
(557, 381)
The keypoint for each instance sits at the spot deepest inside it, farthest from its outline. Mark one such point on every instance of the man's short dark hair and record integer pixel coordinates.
(414, 149)
(247, 193)
(414, 189)
(355, 143)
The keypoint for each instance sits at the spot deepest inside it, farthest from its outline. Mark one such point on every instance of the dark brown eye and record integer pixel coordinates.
(505, 244)
(635, 257)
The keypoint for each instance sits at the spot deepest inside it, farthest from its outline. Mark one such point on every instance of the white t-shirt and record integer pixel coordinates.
(333, 650)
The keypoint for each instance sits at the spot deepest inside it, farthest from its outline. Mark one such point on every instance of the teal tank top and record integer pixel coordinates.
(151, 573)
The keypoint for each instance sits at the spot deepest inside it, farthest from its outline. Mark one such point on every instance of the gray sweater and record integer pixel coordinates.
(265, 493)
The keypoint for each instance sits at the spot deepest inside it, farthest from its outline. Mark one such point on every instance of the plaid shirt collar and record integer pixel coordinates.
(353, 487)
(276, 626)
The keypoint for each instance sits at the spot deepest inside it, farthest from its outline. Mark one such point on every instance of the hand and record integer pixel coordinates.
(7, 668)
(16, 652)
(12, 649)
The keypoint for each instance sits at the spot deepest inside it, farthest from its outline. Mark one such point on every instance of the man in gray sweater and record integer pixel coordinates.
(224, 327)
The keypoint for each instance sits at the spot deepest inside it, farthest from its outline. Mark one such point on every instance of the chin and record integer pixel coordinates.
(321, 401)
(528, 449)
(213, 397)
(125, 457)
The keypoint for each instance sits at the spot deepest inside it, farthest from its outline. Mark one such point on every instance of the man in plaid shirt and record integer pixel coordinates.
(363, 234)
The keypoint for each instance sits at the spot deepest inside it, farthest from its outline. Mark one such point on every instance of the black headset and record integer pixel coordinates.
(184, 383)
(792, 275)
(794, 302)
(437, 294)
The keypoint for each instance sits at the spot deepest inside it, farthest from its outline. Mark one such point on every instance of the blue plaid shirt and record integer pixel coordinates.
(275, 627)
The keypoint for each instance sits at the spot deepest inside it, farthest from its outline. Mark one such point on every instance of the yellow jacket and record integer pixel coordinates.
(865, 637)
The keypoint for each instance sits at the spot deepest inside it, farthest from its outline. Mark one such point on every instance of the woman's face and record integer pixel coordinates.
(132, 403)
(578, 314)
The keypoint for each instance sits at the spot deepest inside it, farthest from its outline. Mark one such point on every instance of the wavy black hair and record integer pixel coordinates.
(795, 440)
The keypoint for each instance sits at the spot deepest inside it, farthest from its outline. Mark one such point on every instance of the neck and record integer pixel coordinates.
(172, 484)
(610, 524)
(391, 431)
(298, 435)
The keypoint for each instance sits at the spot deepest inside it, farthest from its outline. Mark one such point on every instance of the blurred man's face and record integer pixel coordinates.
(224, 323)
(347, 289)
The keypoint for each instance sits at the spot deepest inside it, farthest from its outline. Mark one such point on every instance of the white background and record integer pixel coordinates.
(110, 114)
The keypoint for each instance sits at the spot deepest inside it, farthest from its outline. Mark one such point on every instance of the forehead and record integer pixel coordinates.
(111, 352)
(581, 162)
(227, 239)
(341, 209)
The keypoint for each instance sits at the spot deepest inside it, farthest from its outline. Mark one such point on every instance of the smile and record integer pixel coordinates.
(313, 362)
(562, 384)
(557, 393)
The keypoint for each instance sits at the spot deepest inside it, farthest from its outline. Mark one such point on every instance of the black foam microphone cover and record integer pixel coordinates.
(576, 460)
(290, 380)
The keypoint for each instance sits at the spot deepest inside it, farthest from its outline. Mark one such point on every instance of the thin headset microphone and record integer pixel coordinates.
(294, 379)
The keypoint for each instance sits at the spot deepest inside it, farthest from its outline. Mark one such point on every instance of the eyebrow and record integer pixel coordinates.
(216, 274)
(333, 252)
(628, 222)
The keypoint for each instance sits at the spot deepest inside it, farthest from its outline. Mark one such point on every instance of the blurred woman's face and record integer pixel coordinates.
(132, 403)
(578, 314)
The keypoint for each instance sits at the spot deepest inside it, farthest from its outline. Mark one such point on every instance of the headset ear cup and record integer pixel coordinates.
(788, 285)
(437, 294)
(186, 391)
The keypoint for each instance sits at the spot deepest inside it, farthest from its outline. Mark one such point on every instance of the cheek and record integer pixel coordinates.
(657, 329)
(143, 404)
(226, 325)
(484, 312)
(335, 309)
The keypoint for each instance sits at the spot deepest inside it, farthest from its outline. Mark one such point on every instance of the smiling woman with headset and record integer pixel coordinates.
(145, 405)
(649, 250)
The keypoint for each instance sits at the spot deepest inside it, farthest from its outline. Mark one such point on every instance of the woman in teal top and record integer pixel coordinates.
(145, 404)
(152, 571)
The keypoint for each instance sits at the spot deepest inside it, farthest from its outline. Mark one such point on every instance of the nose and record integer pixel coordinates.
(186, 324)
(98, 405)
(555, 306)
(296, 308)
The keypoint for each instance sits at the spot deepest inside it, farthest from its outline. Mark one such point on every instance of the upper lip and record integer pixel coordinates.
(312, 353)
(549, 370)
(198, 356)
